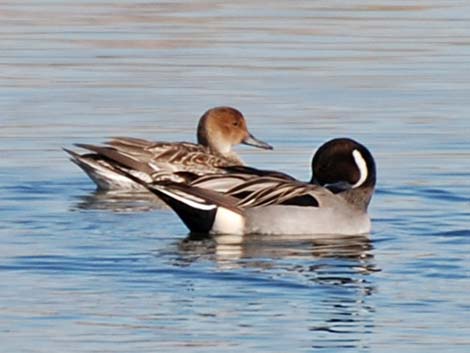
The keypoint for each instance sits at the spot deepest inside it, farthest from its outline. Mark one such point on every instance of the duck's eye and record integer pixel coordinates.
(235, 123)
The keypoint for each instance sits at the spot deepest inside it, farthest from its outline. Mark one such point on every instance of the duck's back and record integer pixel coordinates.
(174, 156)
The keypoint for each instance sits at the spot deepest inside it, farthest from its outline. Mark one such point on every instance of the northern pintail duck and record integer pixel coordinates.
(335, 201)
(219, 129)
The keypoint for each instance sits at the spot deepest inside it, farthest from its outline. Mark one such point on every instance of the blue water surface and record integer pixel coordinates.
(85, 272)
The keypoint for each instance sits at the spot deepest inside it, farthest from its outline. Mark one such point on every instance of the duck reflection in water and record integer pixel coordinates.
(119, 201)
(332, 274)
(352, 254)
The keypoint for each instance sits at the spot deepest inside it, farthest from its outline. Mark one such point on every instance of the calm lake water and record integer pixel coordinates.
(85, 272)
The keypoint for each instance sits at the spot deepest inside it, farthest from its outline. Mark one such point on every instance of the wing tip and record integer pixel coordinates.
(71, 153)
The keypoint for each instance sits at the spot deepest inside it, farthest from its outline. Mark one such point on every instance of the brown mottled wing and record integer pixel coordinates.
(171, 157)
(117, 156)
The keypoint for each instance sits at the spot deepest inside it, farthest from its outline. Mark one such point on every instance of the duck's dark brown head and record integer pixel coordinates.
(343, 161)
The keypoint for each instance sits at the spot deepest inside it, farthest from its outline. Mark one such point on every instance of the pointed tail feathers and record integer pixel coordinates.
(103, 172)
(118, 157)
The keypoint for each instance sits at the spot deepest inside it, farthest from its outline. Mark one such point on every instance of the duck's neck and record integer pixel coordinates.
(212, 140)
(234, 158)
(359, 197)
(220, 147)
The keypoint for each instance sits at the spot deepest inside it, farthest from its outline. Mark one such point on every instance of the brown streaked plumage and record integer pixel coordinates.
(219, 129)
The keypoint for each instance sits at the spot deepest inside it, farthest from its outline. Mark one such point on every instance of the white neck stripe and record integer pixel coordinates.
(362, 166)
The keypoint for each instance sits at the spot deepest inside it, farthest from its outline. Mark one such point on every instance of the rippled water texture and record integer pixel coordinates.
(87, 272)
